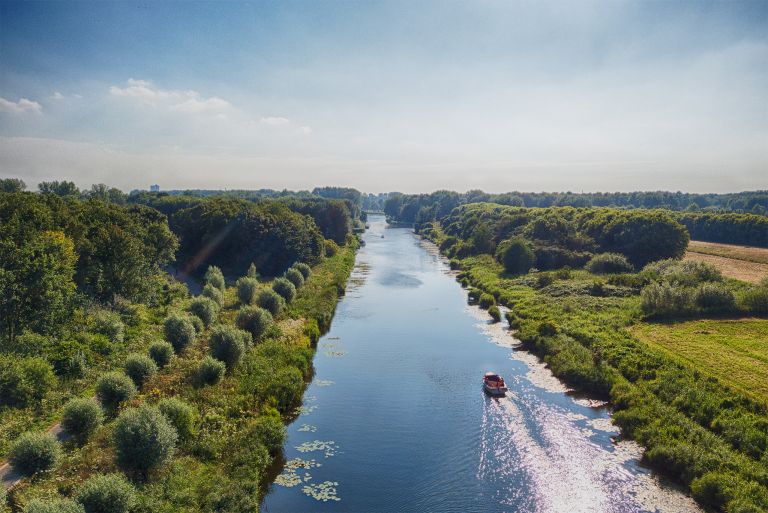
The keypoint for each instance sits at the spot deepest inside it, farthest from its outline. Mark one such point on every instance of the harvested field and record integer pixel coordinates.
(747, 253)
(751, 272)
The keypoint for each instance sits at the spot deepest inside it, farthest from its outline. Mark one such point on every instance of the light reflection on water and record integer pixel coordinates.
(401, 424)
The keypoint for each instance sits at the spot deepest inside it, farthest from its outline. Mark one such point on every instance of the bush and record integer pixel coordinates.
(252, 272)
(544, 279)
(609, 263)
(271, 301)
(204, 309)
(285, 288)
(664, 300)
(494, 313)
(685, 273)
(210, 371)
(161, 353)
(215, 278)
(714, 298)
(228, 344)
(181, 415)
(35, 452)
(713, 489)
(109, 324)
(81, 418)
(547, 329)
(269, 430)
(23, 380)
(246, 290)
(53, 506)
(179, 331)
(107, 493)
(254, 320)
(197, 323)
(303, 268)
(331, 248)
(487, 301)
(755, 299)
(114, 388)
(139, 368)
(295, 277)
(513, 320)
(213, 294)
(144, 439)
(516, 256)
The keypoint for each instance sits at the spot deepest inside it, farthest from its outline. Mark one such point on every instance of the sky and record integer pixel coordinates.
(411, 96)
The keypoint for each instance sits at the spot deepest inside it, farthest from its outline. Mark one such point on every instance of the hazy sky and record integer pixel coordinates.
(410, 96)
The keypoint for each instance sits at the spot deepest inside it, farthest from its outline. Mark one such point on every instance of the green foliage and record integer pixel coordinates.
(609, 263)
(516, 256)
(144, 439)
(269, 430)
(252, 272)
(664, 300)
(204, 309)
(487, 301)
(215, 278)
(295, 277)
(53, 506)
(286, 387)
(547, 329)
(212, 293)
(228, 344)
(285, 288)
(714, 298)
(24, 380)
(140, 368)
(179, 331)
(209, 372)
(181, 415)
(246, 290)
(114, 388)
(685, 273)
(495, 313)
(108, 324)
(34, 452)
(81, 418)
(107, 493)
(161, 353)
(197, 323)
(303, 268)
(330, 248)
(271, 301)
(12, 185)
(254, 320)
(755, 299)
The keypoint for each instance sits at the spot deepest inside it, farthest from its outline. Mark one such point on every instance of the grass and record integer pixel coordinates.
(734, 351)
(740, 262)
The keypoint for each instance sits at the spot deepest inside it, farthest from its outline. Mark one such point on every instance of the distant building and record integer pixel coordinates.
(154, 188)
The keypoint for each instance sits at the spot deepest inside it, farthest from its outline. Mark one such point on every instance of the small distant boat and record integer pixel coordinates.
(493, 384)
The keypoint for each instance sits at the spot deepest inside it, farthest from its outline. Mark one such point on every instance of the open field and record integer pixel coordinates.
(740, 262)
(747, 253)
(735, 351)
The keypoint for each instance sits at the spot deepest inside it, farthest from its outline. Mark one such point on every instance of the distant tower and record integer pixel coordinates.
(154, 188)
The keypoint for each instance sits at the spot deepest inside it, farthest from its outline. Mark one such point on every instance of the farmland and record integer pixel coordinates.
(740, 262)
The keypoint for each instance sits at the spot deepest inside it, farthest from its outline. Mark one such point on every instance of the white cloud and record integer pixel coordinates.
(304, 130)
(23, 105)
(56, 96)
(276, 121)
(190, 102)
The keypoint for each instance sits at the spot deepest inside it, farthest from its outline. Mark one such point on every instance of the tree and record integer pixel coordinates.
(516, 256)
(63, 188)
(12, 185)
(144, 439)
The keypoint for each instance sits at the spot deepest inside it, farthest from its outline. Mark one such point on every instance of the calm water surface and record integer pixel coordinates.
(395, 418)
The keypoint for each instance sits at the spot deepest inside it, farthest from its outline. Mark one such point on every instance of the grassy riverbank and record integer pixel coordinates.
(237, 428)
(697, 429)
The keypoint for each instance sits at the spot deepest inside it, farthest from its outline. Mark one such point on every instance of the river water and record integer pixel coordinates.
(395, 418)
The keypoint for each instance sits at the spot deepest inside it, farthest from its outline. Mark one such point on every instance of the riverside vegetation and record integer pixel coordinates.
(585, 287)
(168, 402)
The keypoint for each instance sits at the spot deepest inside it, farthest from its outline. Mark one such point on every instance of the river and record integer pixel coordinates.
(395, 418)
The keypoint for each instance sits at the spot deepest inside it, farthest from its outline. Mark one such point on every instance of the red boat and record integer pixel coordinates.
(493, 384)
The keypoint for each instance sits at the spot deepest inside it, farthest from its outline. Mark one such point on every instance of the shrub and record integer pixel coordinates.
(686, 273)
(254, 320)
(204, 309)
(181, 415)
(609, 263)
(246, 290)
(35, 452)
(228, 344)
(714, 489)
(269, 430)
(213, 294)
(544, 279)
(495, 314)
(271, 301)
(197, 323)
(23, 380)
(303, 268)
(139, 368)
(295, 277)
(53, 506)
(487, 301)
(513, 320)
(331, 248)
(663, 300)
(161, 353)
(714, 298)
(547, 329)
(285, 288)
(179, 331)
(516, 255)
(252, 272)
(109, 324)
(107, 493)
(210, 371)
(215, 278)
(755, 299)
(81, 418)
(114, 388)
(144, 439)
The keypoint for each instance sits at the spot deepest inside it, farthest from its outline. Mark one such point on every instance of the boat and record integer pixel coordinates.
(493, 384)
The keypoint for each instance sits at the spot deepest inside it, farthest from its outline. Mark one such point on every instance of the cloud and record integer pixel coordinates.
(304, 130)
(23, 105)
(275, 121)
(56, 96)
(190, 102)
